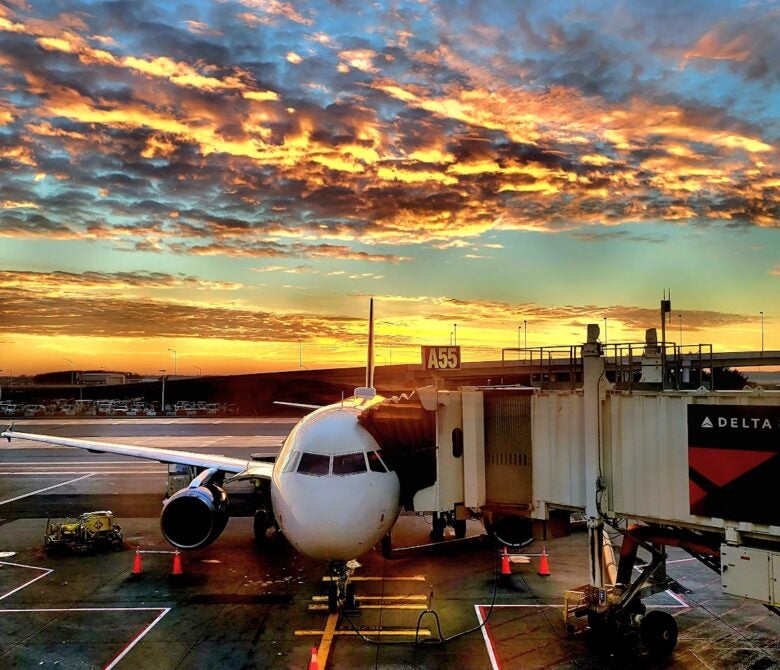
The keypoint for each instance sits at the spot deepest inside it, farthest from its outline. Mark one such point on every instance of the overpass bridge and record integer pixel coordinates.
(626, 364)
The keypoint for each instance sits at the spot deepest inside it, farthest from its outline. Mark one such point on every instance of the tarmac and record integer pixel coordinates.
(238, 607)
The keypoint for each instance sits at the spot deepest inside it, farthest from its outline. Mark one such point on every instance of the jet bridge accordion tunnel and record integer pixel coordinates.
(462, 454)
(407, 435)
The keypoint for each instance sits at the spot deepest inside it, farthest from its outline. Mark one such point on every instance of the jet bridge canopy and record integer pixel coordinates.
(407, 434)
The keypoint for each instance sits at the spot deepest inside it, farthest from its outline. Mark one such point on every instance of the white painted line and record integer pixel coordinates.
(51, 473)
(85, 609)
(45, 571)
(488, 642)
(126, 650)
(48, 488)
(137, 638)
(69, 462)
(678, 598)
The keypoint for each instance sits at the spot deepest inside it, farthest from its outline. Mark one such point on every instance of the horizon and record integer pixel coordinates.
(232, 181)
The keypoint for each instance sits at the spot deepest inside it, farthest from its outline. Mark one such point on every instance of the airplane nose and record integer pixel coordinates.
(338, 518)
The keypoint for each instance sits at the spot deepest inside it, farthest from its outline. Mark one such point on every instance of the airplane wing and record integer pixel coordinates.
(241, 469)
(300, 405)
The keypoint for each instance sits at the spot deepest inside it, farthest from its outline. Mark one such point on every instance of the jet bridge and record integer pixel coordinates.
(695, 469)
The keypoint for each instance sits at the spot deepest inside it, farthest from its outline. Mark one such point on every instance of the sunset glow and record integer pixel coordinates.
(234, 179)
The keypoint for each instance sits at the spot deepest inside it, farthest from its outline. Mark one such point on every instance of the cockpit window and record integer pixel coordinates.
(349, 464)
(314, 464)
(292, 462)
(375, 463)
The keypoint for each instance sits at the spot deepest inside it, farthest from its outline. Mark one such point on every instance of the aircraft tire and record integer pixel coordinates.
(659, 633)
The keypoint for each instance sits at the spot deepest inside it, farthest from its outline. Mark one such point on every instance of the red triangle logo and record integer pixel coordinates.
(696, 493)
(722, 466)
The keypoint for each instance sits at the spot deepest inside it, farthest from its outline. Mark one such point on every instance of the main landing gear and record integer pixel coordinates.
(341, 591)
(265, 528)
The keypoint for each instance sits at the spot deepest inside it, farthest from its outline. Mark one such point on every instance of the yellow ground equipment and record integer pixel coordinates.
(92, 531)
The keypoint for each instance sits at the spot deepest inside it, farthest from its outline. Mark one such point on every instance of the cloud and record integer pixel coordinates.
(749, 49)
(63, 283)
(439, 131)
(623, 235)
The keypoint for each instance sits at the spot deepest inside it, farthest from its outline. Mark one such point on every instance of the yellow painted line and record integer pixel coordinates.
(421, 606)
(414, 578)
(327, 638)
(397, 632)
(384, 598)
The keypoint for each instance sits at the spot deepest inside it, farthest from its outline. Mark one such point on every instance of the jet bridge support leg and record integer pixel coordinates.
(613, 605)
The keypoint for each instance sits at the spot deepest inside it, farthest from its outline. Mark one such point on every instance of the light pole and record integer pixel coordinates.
(605, 330)
(71, 369)
(162, 400)
(174, 361)
(762, 332)
(200, 369)
(525, 336)
(455, 334)
(679, 316)
(1, 388)
(300, 355)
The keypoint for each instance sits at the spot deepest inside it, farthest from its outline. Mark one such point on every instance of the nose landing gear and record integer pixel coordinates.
(341, 591)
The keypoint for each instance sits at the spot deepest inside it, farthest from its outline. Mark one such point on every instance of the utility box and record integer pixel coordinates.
(751, 573)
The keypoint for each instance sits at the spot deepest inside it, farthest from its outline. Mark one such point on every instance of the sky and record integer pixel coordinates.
(232, 180)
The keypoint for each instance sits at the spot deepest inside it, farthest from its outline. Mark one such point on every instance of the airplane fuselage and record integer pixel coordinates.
(332, 494)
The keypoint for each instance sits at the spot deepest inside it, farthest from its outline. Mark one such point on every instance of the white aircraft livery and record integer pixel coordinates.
(331, 493)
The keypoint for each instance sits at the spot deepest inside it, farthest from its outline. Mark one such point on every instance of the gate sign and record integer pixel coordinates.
(734, 462)
(441, 358)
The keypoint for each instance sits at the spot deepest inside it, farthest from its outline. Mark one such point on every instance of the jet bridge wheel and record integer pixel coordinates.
(460, 528)
(659, 633)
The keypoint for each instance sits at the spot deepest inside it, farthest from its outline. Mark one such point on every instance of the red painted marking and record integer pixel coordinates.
(696, 492)
(722, 466)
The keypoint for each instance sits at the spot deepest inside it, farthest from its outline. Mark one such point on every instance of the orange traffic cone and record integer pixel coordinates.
(544, 568)
(313, 664)
(177, 564)
(137, 565)
(505, 567)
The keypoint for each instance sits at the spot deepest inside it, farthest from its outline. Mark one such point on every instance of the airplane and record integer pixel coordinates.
(331, 493)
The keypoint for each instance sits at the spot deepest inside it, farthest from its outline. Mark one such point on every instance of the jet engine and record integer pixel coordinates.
(194, 517)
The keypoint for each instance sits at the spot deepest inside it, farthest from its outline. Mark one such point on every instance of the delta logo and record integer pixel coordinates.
(742, 423)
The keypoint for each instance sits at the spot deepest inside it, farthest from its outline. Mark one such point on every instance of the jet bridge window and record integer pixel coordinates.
(349, 464)
(314, 464)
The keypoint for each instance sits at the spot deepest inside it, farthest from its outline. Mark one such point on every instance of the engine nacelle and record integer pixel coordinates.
(194, 517)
